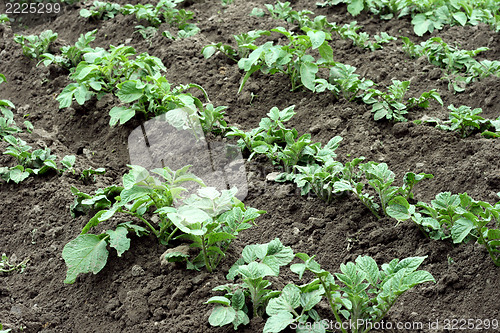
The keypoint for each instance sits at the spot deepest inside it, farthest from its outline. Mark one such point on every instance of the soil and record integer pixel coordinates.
(134, 293)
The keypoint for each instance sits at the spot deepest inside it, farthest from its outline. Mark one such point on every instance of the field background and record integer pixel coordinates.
(135, 293)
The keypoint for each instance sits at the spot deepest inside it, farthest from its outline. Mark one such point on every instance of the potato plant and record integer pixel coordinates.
(392, 106)
(380, 178)
(467, 121)
(427, 16)
(4, 19)
(455, 216)
(71, 56)
(281, 145)
(102, 71)
(210, 219)
(455, 62)
(293, 59)
(363, 294)
(33, 46)
(36, 162)
(284, 11)
(101, 10)
(7, 124)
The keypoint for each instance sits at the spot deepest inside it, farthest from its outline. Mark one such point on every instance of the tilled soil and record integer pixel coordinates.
(134, 293)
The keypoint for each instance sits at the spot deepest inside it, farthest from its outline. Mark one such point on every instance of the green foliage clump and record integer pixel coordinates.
(209, 219)
(363, 294)
(34, 46)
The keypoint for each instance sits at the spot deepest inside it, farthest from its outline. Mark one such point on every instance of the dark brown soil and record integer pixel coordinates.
(134, 293)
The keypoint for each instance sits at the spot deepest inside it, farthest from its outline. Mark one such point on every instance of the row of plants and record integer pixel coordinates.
(28, 161)
(391, 105)
(165, 11)
(284, 11)
(343, 82)
(314, 170)
(460, 67)
(438, 52)
(361, 298)
(136, 80)
(428, 15)
(455, 61)
(295, 60)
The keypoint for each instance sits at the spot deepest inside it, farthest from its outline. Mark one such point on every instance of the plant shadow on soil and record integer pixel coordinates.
(134, 292)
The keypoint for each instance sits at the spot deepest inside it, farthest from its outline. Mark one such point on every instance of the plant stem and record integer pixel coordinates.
(205, 255)
(332, 304)
(171, 234)
(157, 234)
(496, 261)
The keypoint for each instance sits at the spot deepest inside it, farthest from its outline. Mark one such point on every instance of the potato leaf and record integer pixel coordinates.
(222, 315)
(86, 253)
(119, 240)
(278, 322)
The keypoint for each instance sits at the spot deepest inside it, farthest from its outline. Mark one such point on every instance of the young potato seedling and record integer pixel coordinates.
(33, 46)
(257, 262)
(455, 216)
(292, 59)
(7, 267)
(209, 219)
(392, 106)
(101, 11)
(380, 178)
(363, 295)
(71, 56)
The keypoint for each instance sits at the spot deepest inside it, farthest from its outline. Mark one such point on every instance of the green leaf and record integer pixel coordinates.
(65, 98)
(278, 322)
(287, 301)
(398, 208)
(84, 254)
(461, 18)
(218, 237)
(17, 175)
(326, 52)
(94, 221)
(128, 92)
(68, 161)
(355, 7)
(369, 266)
(342, 186)
(241, 319)
(208, 51)
(461, 229)
(176, 256)
(120, 113)
(317, 38)
(219, 300)
(420, 24)
(410, 264)
(85, 13)
(308, 72)
(238, 300)
(418, 277)
(222, 315)
(309, 300)
(119, 240)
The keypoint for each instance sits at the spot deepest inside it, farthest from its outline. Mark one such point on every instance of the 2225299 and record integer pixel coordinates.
(32, 8)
